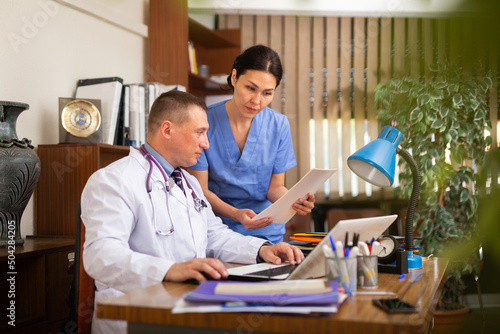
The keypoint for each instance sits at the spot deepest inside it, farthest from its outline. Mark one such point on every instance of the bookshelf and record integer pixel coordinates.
(170, 29)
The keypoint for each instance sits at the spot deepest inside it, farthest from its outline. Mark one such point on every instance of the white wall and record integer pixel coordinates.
(46, 46)
(407, 8)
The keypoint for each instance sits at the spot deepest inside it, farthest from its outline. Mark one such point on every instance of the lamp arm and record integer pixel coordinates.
(417, 180)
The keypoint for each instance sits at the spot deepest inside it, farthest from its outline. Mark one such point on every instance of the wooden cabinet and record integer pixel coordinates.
(169, 32)
(65, 169)
(38, 277)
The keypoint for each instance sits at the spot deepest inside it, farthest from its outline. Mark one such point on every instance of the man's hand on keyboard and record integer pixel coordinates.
(281, 252)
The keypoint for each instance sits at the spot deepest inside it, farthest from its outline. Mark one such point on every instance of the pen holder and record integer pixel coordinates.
(343, 270)
(368, 271)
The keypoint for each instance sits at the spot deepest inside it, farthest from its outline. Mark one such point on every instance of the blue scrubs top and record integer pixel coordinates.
(242, 179)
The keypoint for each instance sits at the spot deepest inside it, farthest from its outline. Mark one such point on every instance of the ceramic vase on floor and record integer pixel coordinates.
(19, 172)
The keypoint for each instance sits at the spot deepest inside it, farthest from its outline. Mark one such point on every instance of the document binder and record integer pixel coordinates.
(109, 91)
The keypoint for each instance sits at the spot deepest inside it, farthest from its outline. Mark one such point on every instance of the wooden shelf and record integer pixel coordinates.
(199, 85)
(211, 39)
(65, 169)
(170, 29)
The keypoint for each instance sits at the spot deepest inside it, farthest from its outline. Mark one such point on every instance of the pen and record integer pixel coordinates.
(346, 238)
(355, 239)
(332, 243)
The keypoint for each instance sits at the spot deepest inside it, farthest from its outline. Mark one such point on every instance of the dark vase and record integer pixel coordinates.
(19, 172)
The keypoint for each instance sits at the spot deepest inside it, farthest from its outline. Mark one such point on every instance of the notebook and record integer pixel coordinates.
(313, 265)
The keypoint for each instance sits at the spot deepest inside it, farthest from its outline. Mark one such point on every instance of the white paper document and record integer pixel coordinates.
(281, 211)
(183, 306)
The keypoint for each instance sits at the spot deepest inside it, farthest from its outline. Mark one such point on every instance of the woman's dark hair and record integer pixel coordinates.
(259, 58)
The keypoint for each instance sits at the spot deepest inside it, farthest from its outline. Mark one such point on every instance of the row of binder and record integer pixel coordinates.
(124, 107)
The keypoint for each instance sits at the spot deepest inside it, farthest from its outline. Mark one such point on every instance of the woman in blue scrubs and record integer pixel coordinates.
(243, 171)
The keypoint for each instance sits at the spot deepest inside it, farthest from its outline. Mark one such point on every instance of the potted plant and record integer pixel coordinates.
(444, 122)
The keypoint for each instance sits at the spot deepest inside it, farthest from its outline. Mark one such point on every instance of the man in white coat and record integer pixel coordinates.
(142, 228)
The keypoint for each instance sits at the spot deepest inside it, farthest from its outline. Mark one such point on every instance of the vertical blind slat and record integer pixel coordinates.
(232, 21)
(318, 112)
(427, 42)
(289, 58)
(332, 89)
(345, 99)
(359, 42)
(247, 31)
(262, 29)
(399, 46)
(276, 43)
(303, 85)
(385, 49)
(372, 61)
(413, 35)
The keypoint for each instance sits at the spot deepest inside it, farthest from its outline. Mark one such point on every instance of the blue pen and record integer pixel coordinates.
(371, 242)
(332, 243)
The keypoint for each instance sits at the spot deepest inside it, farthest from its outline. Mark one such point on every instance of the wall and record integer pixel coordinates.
(380, 8)
(46, 46)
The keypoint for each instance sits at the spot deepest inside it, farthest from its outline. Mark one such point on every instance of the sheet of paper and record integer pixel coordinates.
(296, 287)
(282, 210)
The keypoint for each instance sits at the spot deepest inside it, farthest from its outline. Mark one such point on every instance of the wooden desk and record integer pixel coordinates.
(146, 309)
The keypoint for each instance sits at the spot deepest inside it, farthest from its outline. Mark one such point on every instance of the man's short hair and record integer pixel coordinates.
(172, 106)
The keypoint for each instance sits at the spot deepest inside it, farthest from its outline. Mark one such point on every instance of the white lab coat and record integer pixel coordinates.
(122, 251)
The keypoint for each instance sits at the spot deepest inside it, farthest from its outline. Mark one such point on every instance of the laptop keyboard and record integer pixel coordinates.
(271, 272)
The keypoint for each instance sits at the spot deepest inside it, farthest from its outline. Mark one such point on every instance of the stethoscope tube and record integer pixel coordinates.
(198, 204)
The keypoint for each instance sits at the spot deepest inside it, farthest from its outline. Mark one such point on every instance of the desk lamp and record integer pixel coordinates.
(376, 163)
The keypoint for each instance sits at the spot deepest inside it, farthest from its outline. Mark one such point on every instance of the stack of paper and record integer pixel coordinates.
(299, 296)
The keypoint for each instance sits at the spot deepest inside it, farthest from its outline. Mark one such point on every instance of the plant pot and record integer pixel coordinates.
(19, 172)
(450, 321)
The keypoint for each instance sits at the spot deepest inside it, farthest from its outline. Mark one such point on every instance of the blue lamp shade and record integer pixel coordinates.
(376, 161)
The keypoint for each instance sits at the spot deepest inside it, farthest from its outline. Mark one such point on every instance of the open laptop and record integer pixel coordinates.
(313, 266)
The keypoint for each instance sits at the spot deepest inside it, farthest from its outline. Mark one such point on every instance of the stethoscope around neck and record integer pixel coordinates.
(198, 203)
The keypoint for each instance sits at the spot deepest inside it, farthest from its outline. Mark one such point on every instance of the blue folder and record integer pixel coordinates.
(205, 293)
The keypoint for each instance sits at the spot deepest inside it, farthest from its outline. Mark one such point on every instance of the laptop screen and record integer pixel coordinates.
(313, 265)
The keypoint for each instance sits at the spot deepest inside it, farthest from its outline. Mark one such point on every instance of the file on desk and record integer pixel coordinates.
(206, 292)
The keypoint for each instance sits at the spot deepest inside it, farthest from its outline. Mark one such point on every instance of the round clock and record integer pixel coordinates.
(388, 248)
(80, 118)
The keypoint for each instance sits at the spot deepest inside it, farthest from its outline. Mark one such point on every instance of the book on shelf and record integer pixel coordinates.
(137, 107)
(193, 66)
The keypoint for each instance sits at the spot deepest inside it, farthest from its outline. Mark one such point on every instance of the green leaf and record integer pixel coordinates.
(443, 112)
(457, 101)
(486, 83)
(431, 116)
(416, 115)
(464, 195)
(480, 115)
(473, 104)
(453, 134)
(437, 94)
(437, 124)
(452, 88)
(423, 99)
